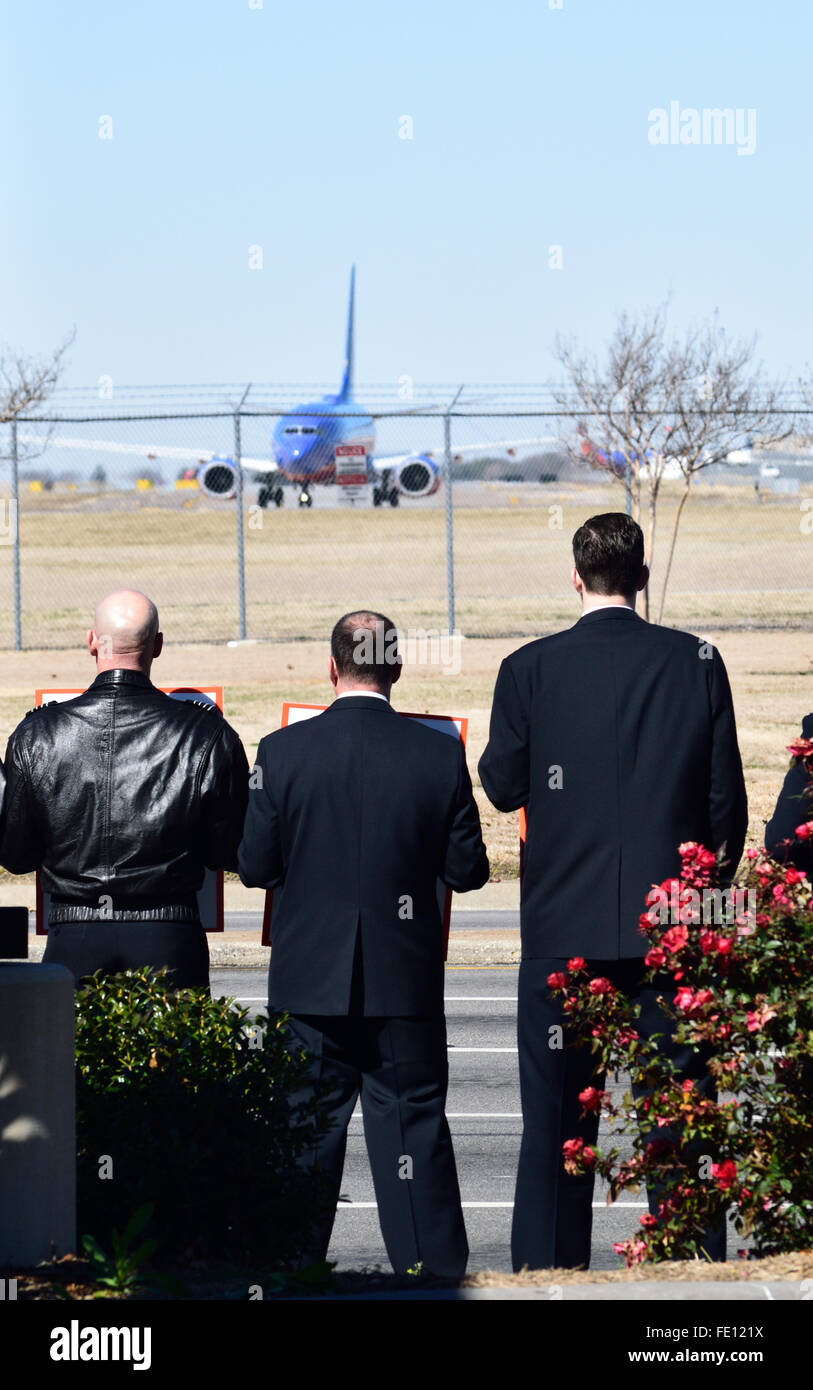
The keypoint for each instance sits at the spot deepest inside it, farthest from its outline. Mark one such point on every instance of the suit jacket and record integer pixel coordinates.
(359, 812)
(619, 738)
(794, 806)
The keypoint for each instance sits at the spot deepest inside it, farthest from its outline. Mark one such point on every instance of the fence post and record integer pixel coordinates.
(15, 524)
(238, 492)
(447, 442)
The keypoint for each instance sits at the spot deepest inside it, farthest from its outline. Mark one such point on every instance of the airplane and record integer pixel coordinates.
(304, 444)
(303, 449)
(616, 462)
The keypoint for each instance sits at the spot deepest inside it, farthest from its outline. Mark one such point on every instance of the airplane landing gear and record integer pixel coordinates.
(384, 492)
(270, 492)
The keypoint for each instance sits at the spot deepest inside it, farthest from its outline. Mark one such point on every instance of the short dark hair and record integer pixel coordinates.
(608, 552)
(364, 646)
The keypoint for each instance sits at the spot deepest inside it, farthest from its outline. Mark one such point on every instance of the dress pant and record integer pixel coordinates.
(85, 947)
(553, 1215)
(399, 1068)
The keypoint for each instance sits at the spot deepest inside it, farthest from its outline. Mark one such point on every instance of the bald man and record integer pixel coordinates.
(122, 798)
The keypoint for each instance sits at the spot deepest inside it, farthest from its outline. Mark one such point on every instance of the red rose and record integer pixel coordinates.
(576, 963)
(675, 939)
(756, 1019)
(689, 1001)
(656, 957)
(591, 1098)
(647, 1220)
(801, 747)
(574, 1152)
(803, 832)
(724, 1174)
(684, 999)
(601, 985)
(557, 980)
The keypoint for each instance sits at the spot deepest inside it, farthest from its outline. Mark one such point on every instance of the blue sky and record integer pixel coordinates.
(279, 127)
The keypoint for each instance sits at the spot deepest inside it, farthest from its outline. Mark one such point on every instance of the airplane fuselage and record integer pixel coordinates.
(304, 442)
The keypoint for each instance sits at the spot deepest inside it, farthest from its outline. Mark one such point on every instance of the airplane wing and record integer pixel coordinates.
(150, 452)
(419, 474)
(508, 448)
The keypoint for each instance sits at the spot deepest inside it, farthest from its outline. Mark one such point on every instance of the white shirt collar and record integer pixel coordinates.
(597, 607)
(371, 694)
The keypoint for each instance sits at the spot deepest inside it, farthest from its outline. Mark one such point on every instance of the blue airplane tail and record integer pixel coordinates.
(346, 390)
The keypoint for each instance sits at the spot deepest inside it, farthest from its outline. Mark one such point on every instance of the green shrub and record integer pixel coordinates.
(195, 1104)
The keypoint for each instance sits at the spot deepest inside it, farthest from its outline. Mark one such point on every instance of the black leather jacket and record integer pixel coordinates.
(124, 792)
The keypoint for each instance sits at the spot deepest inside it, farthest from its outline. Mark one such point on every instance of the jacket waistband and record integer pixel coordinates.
(92, 912)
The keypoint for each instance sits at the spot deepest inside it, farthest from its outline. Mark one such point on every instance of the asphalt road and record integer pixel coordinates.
(484, 1116)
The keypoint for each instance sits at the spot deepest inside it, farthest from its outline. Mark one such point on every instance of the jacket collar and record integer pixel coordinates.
(120, 677)
(360, 702)
(613, 615)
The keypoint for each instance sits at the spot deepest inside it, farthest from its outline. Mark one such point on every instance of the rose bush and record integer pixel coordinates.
(741, 987)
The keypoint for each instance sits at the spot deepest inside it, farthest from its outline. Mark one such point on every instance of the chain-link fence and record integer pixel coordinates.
(232, 521)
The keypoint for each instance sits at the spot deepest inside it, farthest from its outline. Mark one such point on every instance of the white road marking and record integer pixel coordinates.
(449, 998)
(597, 1206)
(452, 1049)
(470, 1115)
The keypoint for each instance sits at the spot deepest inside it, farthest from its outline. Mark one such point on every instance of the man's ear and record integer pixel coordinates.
(158, 644)
(396, 671)
(644, 580)
(333, 671)
(577, 581)
(93, 645)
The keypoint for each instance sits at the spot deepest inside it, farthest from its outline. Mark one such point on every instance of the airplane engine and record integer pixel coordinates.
(217, 478)
(418, 476)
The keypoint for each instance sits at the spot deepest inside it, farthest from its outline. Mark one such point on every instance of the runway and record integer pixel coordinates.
(485, 1119)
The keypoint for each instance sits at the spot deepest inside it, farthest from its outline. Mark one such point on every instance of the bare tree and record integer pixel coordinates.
(804, 424)
(27, 382)
(660, 407)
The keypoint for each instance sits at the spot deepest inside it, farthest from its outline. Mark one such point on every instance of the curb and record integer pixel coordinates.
(658, 1291)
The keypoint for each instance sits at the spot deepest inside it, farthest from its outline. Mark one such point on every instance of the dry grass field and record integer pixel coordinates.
(740, 562)
(742, 579)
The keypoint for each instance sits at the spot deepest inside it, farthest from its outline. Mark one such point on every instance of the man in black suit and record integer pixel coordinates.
(794, 808)
(353, 817)
(619, 738)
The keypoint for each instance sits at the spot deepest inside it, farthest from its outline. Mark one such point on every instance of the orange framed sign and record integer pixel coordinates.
(294, 712)
(210, 895)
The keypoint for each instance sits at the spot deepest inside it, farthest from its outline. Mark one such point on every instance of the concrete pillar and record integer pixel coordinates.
(37, 1114)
